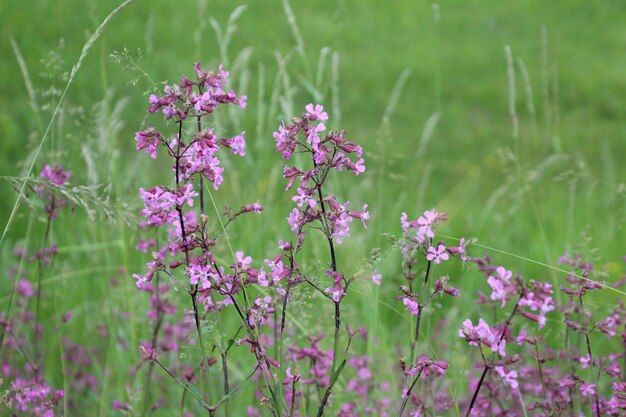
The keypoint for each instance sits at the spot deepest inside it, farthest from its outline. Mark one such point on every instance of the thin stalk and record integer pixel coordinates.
(487, 367)
(624, 367)
(419, 319)
(201, 176)
(199, 398)
(293, 399)
(427, 273)
(329, 390)
(416, 336)
(408, 394)
(595, 396)
(540, 368)
(226, 387)
(40, 279)
(193, 291)
(155, 332)
(333, 261)
(480, 382)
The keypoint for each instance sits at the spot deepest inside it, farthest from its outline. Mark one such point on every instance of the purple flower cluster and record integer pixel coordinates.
(33, 396)
(420, 257)
(22, 334)
(328, 152)
(58, 177)
(515, 367)
(533, 376)
(193, 157)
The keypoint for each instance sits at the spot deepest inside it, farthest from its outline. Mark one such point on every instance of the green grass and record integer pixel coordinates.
(565, 192)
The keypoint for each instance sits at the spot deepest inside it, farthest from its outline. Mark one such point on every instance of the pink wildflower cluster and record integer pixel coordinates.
(53, 177)
(200, 96)
(193, 99)
(483, 334)
(34, 397)
(21, 333)
(196, 156)
(330, 151)
(420, 258)
(533, 369)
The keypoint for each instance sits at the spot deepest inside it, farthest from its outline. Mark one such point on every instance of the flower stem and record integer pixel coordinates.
(408, 393)
(193, 289)
(582, 313)
(487, 367)
(333, 264)
(226, 388)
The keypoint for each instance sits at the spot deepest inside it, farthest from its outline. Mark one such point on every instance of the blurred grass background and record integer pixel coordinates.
(422, 87)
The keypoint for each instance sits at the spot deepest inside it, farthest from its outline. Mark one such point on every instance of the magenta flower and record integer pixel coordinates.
(459, 250)
(237, 144)
(25, 289)
(587, 389)
(501, 286)
(304, 197)
(483, 333)
(363, 215)
(316, 112)
(509, 378)
(335, 293)
(243, 263)
(437, 255)
(585, 360)
(57, 175)
(148, 139)
(376, 278)
(199, 274)
(411, 305)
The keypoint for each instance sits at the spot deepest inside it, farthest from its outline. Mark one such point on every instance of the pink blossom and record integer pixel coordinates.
(508, 378)
(411, 305)
(24, 288)
(585, 360)
(437, 255)
(242, 262)
(587, 389)
(57, 175)
(316, 113)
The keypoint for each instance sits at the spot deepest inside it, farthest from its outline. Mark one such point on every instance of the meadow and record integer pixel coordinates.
(508, 118)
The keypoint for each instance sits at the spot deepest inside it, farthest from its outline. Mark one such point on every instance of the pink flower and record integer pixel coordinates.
(243, 263)
(313, 135)
(462, 250)
(24, 288)
(483, 333)
(587, 389)
(508, 378)
(336, 293)
(317, 112)
(363, 215)
(304, 196)
(376, 278)
(199, 274)
(411, 305)
(437, 255)
(459, 250)
(295, 219)
(148, 140)
(237, 144)
(585, 360)
(57, 175)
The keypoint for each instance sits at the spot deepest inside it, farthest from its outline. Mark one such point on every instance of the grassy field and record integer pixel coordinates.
(509, 117)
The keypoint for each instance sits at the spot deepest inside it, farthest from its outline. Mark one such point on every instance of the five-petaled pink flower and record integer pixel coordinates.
(437, 255)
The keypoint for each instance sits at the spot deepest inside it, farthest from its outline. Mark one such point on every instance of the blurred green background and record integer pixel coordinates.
(425, 88)
(571, 146)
